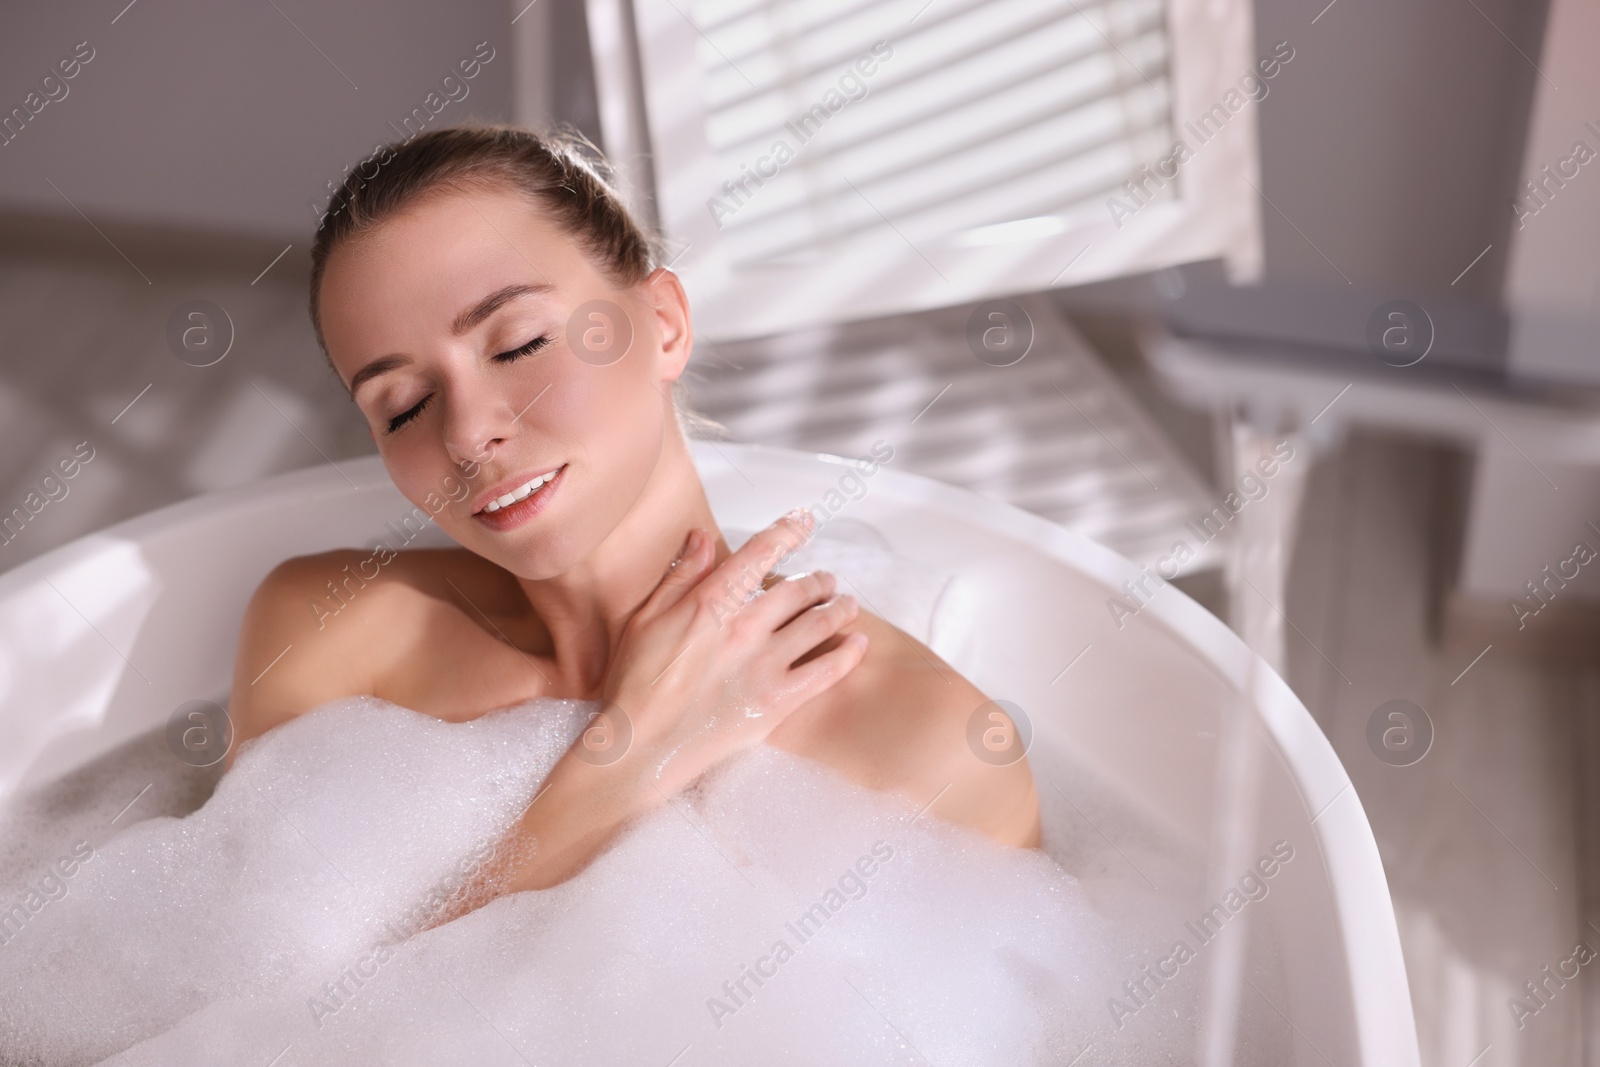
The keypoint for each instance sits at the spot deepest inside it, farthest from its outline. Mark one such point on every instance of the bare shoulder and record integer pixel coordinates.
(290, 659)
(900, 722)
(335, 624)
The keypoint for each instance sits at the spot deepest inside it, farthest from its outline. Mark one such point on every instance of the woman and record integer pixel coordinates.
(454, 291)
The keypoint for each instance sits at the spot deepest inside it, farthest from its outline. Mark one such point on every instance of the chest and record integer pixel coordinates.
(880, 726)
(456, 669)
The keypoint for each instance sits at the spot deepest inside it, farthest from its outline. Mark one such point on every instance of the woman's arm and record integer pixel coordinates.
(579, 808)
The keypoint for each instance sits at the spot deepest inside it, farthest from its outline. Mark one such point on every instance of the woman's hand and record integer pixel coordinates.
(703, 670)
(706, 667)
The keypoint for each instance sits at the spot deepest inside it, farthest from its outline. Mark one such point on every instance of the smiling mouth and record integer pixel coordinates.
(520, 493)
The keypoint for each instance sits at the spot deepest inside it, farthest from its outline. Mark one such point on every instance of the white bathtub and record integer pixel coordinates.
(103, 638)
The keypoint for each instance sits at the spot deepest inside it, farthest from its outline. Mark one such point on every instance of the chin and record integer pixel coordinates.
(534, 556)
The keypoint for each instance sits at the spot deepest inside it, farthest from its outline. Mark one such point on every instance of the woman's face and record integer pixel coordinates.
(486, 350)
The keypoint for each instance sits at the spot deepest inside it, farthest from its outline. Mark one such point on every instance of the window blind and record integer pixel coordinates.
(977, 121)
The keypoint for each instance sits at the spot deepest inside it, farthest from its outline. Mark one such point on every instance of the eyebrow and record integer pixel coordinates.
(492, 303)
(465, 321)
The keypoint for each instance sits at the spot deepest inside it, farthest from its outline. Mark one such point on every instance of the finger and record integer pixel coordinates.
(814, 626)
(682, 574)
(820, 674)
(788, 597)
(744, 569)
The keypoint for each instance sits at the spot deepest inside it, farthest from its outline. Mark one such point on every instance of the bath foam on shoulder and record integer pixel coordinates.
(349, 827)
(773, 913)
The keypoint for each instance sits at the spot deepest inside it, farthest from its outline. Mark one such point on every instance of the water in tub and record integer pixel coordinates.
(773, 913)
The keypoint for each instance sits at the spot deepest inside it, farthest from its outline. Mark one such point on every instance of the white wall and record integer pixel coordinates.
(1554, 277)
(1522, 520)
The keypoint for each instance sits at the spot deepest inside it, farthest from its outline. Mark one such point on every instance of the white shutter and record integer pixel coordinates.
(827, 160)
(1056, 433)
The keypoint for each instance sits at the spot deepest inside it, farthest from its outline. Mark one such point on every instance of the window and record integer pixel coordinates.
(826, 160)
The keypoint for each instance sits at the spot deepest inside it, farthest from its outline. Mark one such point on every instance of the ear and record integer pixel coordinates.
(664, 296)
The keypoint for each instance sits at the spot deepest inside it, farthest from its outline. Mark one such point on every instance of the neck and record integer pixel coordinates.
(585, 609)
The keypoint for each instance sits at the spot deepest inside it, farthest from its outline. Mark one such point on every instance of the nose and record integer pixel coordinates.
(477, 421)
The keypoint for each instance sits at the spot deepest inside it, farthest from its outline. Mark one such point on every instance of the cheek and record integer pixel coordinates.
(417, 468)
(616, 419)
(608, 424)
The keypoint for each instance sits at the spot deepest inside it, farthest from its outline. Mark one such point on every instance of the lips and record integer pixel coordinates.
(517, 501)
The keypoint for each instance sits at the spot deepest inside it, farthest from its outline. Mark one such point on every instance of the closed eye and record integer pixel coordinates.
(526, 350)
(504, 357)
(407, 415)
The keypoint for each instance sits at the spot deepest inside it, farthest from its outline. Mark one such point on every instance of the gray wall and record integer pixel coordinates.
(1394, 138)
(229, 116)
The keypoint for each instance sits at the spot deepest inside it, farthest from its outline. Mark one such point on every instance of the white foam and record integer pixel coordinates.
(263, 921)
(327, 834)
